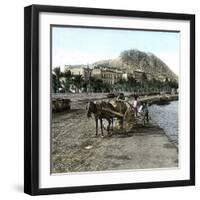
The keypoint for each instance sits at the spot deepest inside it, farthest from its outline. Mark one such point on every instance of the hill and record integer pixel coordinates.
(131, 60)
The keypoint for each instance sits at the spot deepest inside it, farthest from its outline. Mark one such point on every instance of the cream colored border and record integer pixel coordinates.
(134, 176)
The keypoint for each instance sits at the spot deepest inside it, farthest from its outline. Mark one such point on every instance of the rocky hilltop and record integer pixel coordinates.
(131, 60)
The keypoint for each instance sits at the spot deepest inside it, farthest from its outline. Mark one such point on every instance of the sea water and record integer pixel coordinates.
(166, 116)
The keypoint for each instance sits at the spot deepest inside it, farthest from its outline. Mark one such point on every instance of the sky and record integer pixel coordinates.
(72, 45)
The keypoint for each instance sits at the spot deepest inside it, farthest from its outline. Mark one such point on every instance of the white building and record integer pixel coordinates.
(75, 70)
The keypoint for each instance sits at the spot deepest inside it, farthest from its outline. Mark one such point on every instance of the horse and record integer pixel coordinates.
(99, 114)
(108, 110)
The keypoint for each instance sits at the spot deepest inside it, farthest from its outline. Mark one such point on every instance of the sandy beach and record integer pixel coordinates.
(75, 148)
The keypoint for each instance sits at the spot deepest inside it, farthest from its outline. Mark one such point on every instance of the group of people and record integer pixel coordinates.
(137, 105)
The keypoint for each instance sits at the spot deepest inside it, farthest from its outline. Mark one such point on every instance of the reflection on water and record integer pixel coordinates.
(166, 116)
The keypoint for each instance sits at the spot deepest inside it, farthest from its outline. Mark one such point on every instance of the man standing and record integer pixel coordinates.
(135, 104)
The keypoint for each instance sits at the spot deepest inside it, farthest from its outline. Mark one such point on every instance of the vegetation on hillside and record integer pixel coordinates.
(66, 82)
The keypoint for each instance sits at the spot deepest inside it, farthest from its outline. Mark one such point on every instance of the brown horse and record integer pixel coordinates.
(99, 114)
(108, 111)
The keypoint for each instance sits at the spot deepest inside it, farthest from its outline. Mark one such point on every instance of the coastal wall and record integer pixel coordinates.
(63, 102)
(159, 99)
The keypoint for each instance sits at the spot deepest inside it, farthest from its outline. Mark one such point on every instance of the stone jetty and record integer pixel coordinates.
(63, 102)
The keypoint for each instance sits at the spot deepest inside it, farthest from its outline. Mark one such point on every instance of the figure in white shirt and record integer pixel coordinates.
(135, 104)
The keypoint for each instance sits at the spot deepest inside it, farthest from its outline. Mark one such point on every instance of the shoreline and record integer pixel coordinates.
(166, 117)
(75, 147)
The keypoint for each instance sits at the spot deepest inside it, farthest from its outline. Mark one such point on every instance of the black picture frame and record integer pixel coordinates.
(31, 98)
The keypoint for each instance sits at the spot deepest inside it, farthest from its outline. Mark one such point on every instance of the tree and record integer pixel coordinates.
(144, 77)
(57, 72)
(54, 83)
(66, 84)
(67, 74)
(56, 79)
(78, 81)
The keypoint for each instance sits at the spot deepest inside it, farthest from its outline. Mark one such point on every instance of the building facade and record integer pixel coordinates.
(75, 70)
(81, 70)
(109, 76)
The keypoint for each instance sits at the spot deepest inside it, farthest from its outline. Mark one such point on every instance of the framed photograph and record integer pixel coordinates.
(109, 99)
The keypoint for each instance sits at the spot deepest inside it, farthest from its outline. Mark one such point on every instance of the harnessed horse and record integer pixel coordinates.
(106, 110)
